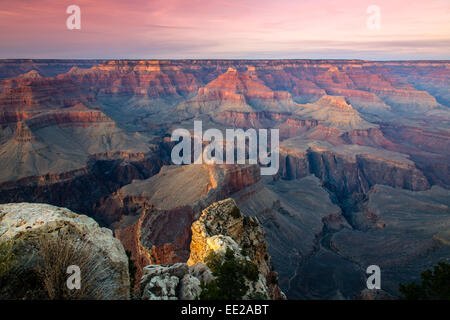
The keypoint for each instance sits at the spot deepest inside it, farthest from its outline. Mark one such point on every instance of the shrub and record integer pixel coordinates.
(8, 264)
(235, 212)
(17, 277)
(435, 285)
(257, 296)
(273, 278)
(8, 258)
(231, 274)
(56, 253)
(250, 270)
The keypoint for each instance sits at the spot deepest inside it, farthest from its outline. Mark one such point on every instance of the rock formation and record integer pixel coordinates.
(174, 282)
(236, 91)
(221, 227)
(153, 217)
(374, 294)
(28, 224)
(223, 220)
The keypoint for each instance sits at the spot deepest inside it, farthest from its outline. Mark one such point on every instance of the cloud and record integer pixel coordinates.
(216, 28)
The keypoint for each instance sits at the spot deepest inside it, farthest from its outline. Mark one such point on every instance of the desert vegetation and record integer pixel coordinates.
(435, 285)
(232, 274)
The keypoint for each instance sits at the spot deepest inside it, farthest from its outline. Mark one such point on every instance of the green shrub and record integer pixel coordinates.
(231, 274)
(9, 264)
(435, 285)
(257, 296)
(273, 278)
(250, 270)
(8, 258)
(235, 212)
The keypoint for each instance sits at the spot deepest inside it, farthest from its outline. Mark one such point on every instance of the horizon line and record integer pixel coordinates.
(227, 59)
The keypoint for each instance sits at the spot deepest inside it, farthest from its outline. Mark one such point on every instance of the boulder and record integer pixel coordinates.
(173, 282)
(29, 224)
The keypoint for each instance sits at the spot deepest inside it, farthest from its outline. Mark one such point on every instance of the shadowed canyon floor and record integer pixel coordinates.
(364, 158)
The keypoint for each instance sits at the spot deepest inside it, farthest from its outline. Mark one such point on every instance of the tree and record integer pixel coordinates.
(435, 285)
(231, 274)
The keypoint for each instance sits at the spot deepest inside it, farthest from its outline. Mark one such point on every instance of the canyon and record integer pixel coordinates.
(364, 158)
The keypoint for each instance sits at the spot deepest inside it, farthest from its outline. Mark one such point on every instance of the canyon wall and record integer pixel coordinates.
(94, 136)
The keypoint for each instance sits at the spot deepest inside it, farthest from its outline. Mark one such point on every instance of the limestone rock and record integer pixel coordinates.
(27, 223)
(201, 272)
(190, 287)
(375, 294)
(173, 282)
(223, 218)
(161, 288)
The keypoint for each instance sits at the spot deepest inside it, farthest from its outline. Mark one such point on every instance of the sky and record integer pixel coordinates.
(227, 29)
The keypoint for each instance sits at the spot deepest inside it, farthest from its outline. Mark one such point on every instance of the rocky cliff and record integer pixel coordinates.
(348, 169)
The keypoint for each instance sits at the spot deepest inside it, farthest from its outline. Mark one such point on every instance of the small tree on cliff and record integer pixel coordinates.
(435, 285)
(231, 274)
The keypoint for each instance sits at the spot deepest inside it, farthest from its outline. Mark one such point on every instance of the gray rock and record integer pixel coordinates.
(161, 287)
(201, 272)
(189, 287)
(28, 223)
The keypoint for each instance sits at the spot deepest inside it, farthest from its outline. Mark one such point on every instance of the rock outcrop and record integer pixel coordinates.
(174, 282)
(374, 294)
(221, 227)
(28, 224)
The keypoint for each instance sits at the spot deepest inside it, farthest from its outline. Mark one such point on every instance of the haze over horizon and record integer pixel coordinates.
(246, 29)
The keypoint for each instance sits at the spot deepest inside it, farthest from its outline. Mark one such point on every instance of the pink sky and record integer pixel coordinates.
(414, 29)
